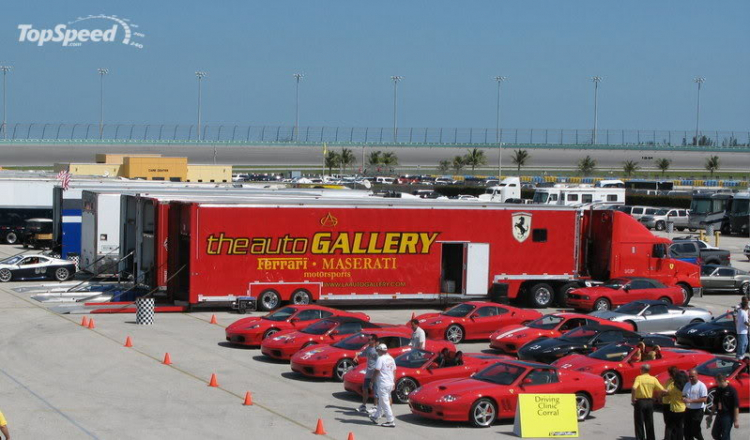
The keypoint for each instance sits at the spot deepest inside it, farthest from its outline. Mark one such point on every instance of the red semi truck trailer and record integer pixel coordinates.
(387, 250)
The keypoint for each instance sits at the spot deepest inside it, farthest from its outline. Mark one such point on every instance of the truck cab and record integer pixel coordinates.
(509, 188)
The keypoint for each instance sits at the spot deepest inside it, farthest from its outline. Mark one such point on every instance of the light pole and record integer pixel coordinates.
(499, 80)
(200, 75)
(596, 81)
(5, 70)
(102, 72)
(297, 77)
(698, 80)
(395, 80)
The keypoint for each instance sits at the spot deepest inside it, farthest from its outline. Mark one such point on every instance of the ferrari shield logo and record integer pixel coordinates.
(521, 223)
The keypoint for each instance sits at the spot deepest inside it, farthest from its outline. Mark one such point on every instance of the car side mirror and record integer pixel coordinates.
(294, 320)
(473, 317)
(626, 287)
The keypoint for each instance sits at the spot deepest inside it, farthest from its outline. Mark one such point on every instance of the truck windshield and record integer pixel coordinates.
(700, 206)
(413, 359)
(356, 342)
(546, 322)
(319, 328)
(614, 352)
(459, 311)
(501, 374)
(540, 197)
(741, 207)
(281, 314)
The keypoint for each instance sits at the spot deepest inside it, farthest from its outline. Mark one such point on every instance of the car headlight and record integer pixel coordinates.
(252, 327)
(449, 398)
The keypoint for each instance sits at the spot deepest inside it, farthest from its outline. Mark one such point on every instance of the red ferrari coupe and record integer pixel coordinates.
(509, 339)
(473, 320)
(615, 363)
(737, 373)
(492, 393)
(284, 344)
(621, 291)
(417, 368)
(333, 361)
(252, 331)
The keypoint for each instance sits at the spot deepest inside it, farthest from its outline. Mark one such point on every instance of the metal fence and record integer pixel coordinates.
(368, 135)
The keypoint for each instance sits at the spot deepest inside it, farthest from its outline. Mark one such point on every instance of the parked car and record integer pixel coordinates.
(708, 254)
(35, 267)
(659, 219)
(621, 291)
(725, 279)
(655, 316)
(491, 394)
(746, 251)
(639, 211)
(717, 334)
(618, 368)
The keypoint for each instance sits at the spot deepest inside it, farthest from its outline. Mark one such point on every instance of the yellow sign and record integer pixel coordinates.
(546, 416)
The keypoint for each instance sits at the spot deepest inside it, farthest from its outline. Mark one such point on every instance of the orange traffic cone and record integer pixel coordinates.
(167, 359)
(213, 382)
(128, 342)
(351, 436)
(320, 430)
(85, 321)
(248, 399)
(91, 324)
(213, 320)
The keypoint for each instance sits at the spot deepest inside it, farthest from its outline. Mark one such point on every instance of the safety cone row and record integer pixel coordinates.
(91, 324)
(128, 342)
(85, 321)
(320, 429)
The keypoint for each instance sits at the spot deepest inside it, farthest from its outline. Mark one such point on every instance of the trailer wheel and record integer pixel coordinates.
(11, 238)
(563, 291)
(269, 300)
(301, 297)
(541, 295)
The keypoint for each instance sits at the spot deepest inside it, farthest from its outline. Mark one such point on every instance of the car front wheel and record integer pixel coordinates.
(62, 274)
(454, 333)
(745, 289)
(602, 304)
(342, 367)
(583, 406)
(5, 275)
(729, 343)
(483, 413)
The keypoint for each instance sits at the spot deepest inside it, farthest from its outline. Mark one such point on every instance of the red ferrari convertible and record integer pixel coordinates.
(509, 339)
(473, 320)
(621, 291)
(252, 331)
(333, 361)
(417, 368)
(284, 344)
(615, 363)
(492, 393)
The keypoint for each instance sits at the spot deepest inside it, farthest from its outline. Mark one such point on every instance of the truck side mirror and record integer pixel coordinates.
(659, 251)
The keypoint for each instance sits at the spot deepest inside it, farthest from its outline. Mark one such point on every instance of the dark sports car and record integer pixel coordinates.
(35, 267)
(716, 334)
(584, 340)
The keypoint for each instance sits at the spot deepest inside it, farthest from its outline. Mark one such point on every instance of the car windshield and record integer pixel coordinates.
(707, 270)
(579, 334)
(614, 352)
(500, 374)
(319, 328)
(727, 317)
(661, 212)
(459, 311)
(617, 283)
(546, 322)
(281, 314)
(718, 366)
(413, 359)
(633, 308)
(355, 342)
(12, 260)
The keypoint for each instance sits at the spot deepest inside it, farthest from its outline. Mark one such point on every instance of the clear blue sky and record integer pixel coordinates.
(647, 51)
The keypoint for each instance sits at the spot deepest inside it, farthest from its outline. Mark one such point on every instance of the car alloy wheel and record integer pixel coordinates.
(611, 382)
(483, 413)
(404, 387)
(342, 367)
(710, 401)
(745, 289)
(301, 297)
(583, 407)
(5, 275)
(270, 332)
(602, 304)
(62, 274)
(729, 343)
(454, 334)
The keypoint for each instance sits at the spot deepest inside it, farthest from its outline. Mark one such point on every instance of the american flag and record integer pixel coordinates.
(64, 178)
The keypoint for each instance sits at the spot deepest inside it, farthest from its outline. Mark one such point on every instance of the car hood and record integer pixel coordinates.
(576, 361)
(356, 374)
(317, 352)
(461, 386)
(524, 333)
(245, 322)
(439, 320)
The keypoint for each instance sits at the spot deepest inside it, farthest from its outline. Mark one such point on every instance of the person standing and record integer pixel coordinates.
(385, 369)
(371, 354)
(642, 396)
(665, 401)
(4, 426)
(741, 323)
(726, 407)
(674, 412)
(694, 395)
(418, 337)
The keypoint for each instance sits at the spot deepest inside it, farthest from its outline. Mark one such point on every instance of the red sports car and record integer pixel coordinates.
(473, 320)
(736, 372)
(492, 393)
(252, 331)
(336, 359)
(284, 344)
(509, 339)
(621, 291)
(417, 368)
(615, 364)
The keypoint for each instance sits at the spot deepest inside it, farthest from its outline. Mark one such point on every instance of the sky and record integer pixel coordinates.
(647, 52)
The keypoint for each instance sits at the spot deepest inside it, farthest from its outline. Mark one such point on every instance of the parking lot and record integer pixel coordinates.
(65, 381)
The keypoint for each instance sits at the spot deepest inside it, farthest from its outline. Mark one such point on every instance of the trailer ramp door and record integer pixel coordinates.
(477, 269)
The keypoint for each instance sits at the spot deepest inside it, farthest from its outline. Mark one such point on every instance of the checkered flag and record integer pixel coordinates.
(64, 178)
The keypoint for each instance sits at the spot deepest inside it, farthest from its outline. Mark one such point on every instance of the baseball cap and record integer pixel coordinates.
(381, 347)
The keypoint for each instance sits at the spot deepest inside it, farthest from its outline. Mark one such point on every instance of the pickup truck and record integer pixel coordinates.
(698, 252)
(659, 219)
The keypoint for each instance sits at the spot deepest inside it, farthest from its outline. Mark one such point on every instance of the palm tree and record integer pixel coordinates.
(333, 159)
(663, 164)
(712, 164)
(375, 159)
(389, 160)
(458, 163)
(630, 167)
(586, 165)
(346, 158)
(444, 166)
(520, 157)
(475, 158)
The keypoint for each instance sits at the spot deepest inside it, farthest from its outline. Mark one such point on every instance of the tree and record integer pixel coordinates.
(586, 165)
(333, 160)
(630, 167)
(663, 164)
(389, 160)
(712, 164)
(346, 158)
(444, 166)
(458, 163)
(520, 157)
(475, 158)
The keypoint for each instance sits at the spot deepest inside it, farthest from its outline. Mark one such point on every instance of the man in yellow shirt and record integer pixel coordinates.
(642, 397)
(4, 426)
